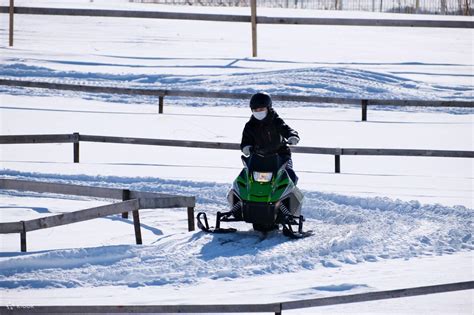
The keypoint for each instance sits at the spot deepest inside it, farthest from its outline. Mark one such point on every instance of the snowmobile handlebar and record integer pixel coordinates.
(265, 152)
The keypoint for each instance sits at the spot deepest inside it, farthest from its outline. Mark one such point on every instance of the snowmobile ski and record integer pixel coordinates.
(296, 235)
(295, 220)
(203, 224)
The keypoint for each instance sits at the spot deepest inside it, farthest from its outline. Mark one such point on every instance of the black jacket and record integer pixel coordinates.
(266, 136)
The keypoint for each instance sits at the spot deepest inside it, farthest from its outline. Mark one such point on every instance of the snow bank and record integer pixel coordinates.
(321, 81)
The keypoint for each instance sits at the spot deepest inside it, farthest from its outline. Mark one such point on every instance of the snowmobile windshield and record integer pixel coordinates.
(261, 163)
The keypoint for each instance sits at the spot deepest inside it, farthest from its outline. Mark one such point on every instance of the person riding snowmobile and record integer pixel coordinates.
(265, 192)
(266, 133)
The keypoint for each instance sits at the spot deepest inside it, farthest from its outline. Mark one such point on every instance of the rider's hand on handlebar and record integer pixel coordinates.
(293, 140)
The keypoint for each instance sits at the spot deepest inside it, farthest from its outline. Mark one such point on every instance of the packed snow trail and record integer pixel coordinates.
(348, 230)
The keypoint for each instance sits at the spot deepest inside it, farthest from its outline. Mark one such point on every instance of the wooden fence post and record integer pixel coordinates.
(136, 224)
(337, 161)
(364, 104)
(160, 104)
(12, 14)
(75, 139)
(190, 219)
(253, 19)
(125, 197)
(23, 237)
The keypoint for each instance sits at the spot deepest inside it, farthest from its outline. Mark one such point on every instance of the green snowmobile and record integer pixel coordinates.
(263, 194)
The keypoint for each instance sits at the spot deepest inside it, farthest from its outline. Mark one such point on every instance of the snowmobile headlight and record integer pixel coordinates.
(262, 177)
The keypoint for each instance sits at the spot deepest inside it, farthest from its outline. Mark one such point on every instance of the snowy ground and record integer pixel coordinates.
(383, 223)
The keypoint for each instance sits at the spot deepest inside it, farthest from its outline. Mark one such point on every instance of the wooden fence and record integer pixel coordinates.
(132, 201)
(161, 93)
(240, 18)
(252, 18)
(75, 138)
(276, 308)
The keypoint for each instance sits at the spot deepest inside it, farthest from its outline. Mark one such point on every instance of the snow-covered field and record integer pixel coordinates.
(383, 223)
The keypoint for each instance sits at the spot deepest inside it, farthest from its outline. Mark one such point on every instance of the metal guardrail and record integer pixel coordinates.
(132, 201)
(161, 93)
(337, 152)
(276, 308)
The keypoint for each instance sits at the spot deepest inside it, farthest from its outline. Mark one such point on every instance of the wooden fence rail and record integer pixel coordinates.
(240, 18)
(132, 201)
(380, 295)
(337, 152)
(276, 308)
(81, 215)
(79, 190)
(161, 93)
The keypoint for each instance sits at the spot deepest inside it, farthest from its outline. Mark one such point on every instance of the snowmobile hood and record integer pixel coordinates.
(248, 189)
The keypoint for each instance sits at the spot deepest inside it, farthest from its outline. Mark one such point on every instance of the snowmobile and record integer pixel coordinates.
(263, 194)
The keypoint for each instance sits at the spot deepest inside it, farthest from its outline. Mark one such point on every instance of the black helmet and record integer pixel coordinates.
(261, 99)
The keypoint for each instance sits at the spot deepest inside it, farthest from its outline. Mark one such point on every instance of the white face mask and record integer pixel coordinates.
(260, 115)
